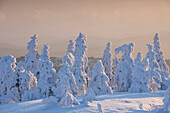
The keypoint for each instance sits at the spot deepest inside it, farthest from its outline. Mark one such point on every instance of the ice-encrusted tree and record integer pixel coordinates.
(164, 68)
(99, 80)
(140, 80)
(123, 71)
(45, 54)
(153, 68)
(32, 56)
(8, 80)
(70, 47)
(166, 100)
(69, 59)
(66, 81)
(46, 74)
(26, 81)
(80, 66)
(108, 63)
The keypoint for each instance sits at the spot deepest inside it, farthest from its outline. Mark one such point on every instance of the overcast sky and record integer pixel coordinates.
(57, 21)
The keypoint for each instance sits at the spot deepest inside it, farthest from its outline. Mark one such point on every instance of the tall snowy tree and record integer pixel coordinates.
(99, 80)
(140, 80)
(32, 56)
(108, 63)
(153, 69)
(66, 81)
(8, 80)
(123, 71)
(164, 68)
(80, 66)
(46, 74)
(70, 47)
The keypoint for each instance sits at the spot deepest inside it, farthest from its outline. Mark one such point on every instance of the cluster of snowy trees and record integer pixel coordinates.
(36, 78)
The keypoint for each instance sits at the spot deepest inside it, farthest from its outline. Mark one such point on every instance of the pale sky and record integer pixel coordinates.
(57, 21)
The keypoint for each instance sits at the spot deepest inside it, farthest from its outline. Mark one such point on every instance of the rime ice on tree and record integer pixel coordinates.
(140, 80)
(32, 56)
(8, 80)
(123, 71)
(80, 65)
(161, 62)
(66, 81)
(46, 74)
(70, 47)
(108, 63)
(99, 80)
(153, 69)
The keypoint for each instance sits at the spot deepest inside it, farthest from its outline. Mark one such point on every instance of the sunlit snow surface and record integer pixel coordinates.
(114, 103)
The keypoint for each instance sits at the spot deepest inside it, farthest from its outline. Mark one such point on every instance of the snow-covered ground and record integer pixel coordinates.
(114, 103)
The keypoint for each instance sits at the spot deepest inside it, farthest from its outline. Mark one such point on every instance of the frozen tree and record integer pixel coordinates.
(140, 80)
(99, 80)
(80, 66)
(116, 62)
(8, 80)
(70, 47)
(108, 63)
(66, 81)
(68, 100)
(46, 75)
(89, 96)
(161, 62)
(69, 59)
(25, 80)
(32, 56)
(101, 110)
(153, 69)
(166, 100)
(45, 54)
(123, 71)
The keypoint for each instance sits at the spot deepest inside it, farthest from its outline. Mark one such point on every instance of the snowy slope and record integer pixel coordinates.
(115, 103)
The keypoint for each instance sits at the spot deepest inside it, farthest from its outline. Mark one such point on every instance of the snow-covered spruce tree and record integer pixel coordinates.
(46, 75)
(89, 96)
(153, 69)
(66, 81)
(69, 59)
(166, 100)
(80, 66)
(140, 80)
(99, 80)
(8, 80)
(123, 71)
(161, 62)
(108, 63)
(32, 56)
(70, 47)
(26, 82)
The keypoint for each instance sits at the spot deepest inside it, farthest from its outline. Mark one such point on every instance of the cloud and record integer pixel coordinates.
(2, 16)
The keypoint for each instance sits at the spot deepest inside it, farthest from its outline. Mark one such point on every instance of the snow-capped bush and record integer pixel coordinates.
(8, 80)
(161, 62)
(89, 96)
(140, 80)
(123, 71)
(80, 66)
(31, 58)
(108, 63)
(50, 101)
(99, 80)
(68, 100)
(66, 81)
(166, 100)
